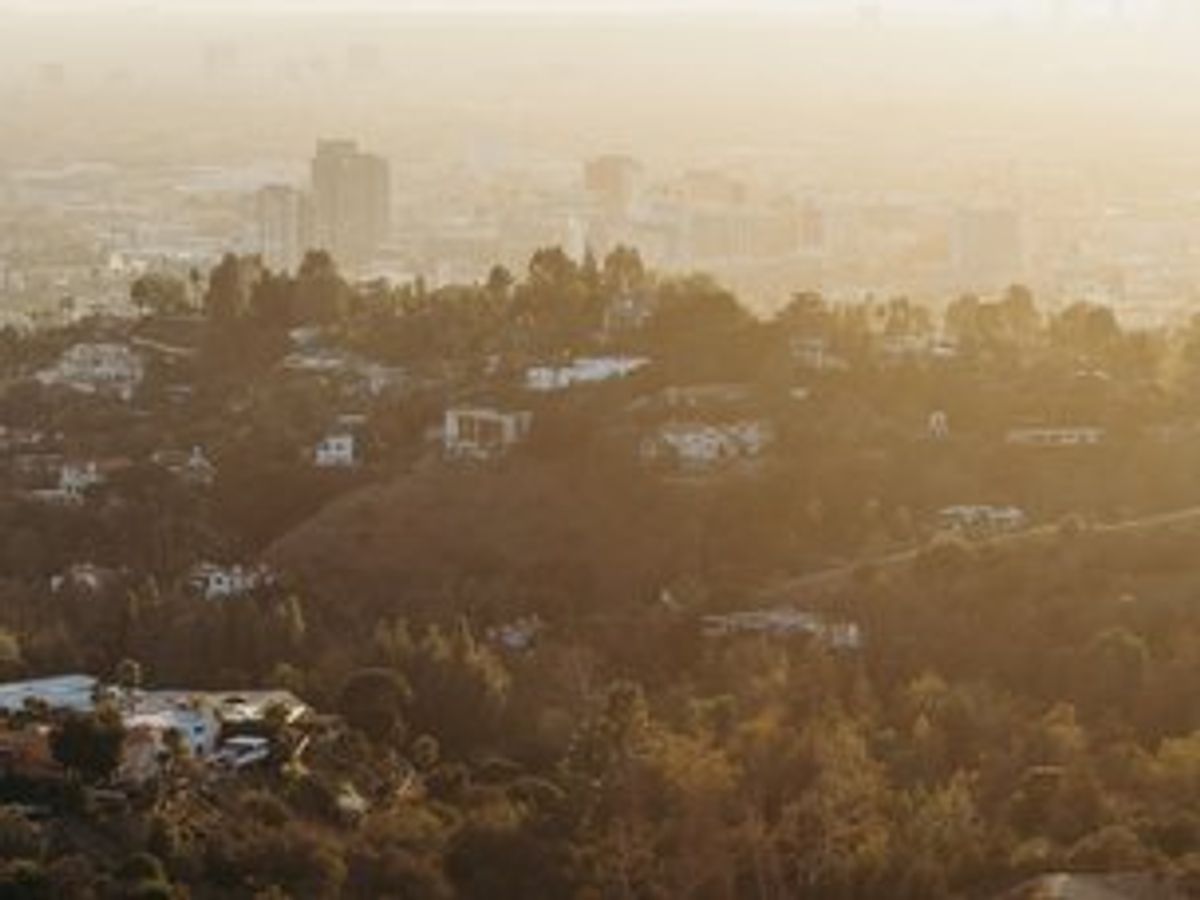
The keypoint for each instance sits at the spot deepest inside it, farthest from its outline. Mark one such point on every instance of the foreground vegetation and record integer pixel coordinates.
(1014, 707)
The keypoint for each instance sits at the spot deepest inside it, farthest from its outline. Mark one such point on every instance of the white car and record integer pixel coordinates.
(240, 752)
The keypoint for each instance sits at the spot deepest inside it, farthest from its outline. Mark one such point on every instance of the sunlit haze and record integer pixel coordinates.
(599, 449)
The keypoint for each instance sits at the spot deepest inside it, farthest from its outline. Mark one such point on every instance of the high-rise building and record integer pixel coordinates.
(613, 181)
(284, 226)
(987, 247)
(351, 194)
(710, 187)
(220, 59)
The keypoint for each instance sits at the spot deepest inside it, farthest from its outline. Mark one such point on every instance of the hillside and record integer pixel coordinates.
(532, 532)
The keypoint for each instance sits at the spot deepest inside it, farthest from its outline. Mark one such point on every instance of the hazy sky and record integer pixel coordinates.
(240, 77)
(958, 9)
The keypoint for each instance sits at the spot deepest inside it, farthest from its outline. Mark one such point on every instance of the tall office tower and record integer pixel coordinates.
(987, 247)
(813, 226)
(614, 182)
(284, 231)
(221, 59)
(351, 202)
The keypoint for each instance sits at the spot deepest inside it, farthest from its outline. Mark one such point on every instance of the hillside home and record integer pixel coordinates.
(223, 729)
(377, 379)
(229, 729)
(897, 348)
(702, 445)
(337, 450)
(814, 353)
(74, 481)
(982, 519)
(1055, 437)
(14, 440)
(628, 312)
(190, 717)
(782, 623)
(317, 360)
(96, 368)
(216, 582)
(585, 370)
(482, 433)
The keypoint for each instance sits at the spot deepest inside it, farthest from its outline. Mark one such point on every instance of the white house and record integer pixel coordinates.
(192, 718)
(701, 445)
(784, 622)
(982, 519)
(814, 353)
(483, 433)
(1080, 436)
(97, 368)
(220, 728)
(337, 450)
(71, 487)
(585, 370)
(75, 479)
(215, 582)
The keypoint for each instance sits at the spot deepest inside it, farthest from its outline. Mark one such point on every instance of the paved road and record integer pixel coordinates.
(796, 589)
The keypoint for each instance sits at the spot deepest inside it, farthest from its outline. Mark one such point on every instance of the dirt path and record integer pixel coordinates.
(795, 589)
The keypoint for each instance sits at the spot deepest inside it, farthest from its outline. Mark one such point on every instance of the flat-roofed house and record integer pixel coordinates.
(483, 433)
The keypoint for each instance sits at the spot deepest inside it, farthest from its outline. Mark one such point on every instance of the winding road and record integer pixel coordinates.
(801, 588)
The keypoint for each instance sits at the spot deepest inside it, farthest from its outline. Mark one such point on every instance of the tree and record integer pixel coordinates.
(373, 700)
(272, 300)
(837, 831)
(699, 332)
(89, 744)
(499, 281)
(18, 838)
(11, 661)
(551, 268)
(224, 299)
(320, 295)
(807, 314)
(1115, 666)
(459, 689)
(1088, 329)
(489, 863)
(159, 294)
(942, 838)
(623, 270)
(128, 674)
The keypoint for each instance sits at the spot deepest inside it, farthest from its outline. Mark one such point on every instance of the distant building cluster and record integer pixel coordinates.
(345, 210)
(757, 231)
(97, 368)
